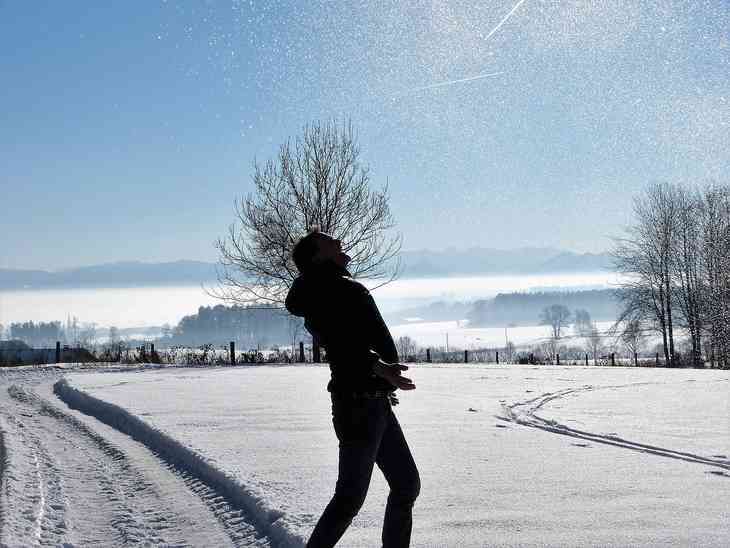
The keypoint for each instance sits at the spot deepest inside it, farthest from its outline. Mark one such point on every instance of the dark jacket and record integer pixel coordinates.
(343, 316)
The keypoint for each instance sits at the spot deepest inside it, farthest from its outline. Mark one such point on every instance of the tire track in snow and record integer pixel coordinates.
(234, 520)
(525, 413)
(231, 502)
(105, 499)
(34, 491)
(102, 484)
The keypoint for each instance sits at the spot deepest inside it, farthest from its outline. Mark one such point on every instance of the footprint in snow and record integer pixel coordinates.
(528, 391)
(720, 456)
(580, 444)
(471, 409)
(501, 426)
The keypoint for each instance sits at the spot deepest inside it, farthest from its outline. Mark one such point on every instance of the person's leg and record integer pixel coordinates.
(396, 462)
(359, 425)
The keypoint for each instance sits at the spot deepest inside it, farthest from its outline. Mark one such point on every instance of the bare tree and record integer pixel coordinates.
(406, 347)
(715, 268)
(593, 341)
(87, 336)
(581, 322)
(632, 336)
(646, 258)
(510, 350)
(316, 179)
(687, 269)
(676, 262)
(295, 325)
(557, 316)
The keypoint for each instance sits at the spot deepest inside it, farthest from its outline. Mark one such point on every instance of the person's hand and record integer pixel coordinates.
(391, 372)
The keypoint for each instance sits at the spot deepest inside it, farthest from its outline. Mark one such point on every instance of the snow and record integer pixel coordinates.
(508, 455)
(69, 480)
(461, 336)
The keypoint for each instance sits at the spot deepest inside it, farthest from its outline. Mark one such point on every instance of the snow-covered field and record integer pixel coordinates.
(461, 336)
(246, 456)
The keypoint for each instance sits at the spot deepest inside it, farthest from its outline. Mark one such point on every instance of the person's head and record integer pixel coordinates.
(318, 248)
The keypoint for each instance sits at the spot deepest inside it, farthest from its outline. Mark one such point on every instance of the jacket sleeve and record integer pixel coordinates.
(381, 339)
(372, 326)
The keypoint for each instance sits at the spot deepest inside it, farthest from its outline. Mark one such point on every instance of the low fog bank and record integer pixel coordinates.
(512, 309)
(260, 328)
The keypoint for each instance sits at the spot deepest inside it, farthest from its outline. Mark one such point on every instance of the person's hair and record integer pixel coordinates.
(305, 249)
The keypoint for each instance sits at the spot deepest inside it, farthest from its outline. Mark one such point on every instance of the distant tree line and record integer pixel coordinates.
(525, 308)
(248, 326)
(675, 259)
(45, 334)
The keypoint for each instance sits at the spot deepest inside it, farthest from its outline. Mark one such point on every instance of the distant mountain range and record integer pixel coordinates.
(416, 264)
(122, 274)
(526, 260)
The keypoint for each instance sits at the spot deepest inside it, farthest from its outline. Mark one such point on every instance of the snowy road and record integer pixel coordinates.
(69, 480)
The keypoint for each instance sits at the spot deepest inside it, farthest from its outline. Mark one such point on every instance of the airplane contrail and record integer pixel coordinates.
(460, 80)
(504, 19)
(480, 76)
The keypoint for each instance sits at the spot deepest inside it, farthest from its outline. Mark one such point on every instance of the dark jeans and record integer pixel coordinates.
(369, 434)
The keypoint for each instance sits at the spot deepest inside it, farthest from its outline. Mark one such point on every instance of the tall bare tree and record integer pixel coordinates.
(686, 269)
(676, 261)
(715, 267)
(645, 257)
(316, 179)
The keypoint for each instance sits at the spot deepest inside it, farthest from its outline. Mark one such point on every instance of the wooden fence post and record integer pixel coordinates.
(428, 355)
(233, 353)
(557, 359)
(586, 359)
(657, 359)
(301, 352)
(316, 357)
(613, 359)
(58, 351)
(497, 356)
(466, 356)
(636, 360)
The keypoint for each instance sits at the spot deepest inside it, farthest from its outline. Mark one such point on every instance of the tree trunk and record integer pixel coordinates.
(663, 326)
(670, 328)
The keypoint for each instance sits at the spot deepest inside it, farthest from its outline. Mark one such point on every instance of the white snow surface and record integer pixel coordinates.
(508, 455)
(66, 479)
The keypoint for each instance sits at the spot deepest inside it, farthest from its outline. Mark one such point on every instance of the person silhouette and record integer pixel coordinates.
(340, 313)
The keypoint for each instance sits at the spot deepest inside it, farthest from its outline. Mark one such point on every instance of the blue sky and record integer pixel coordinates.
(129, 128)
